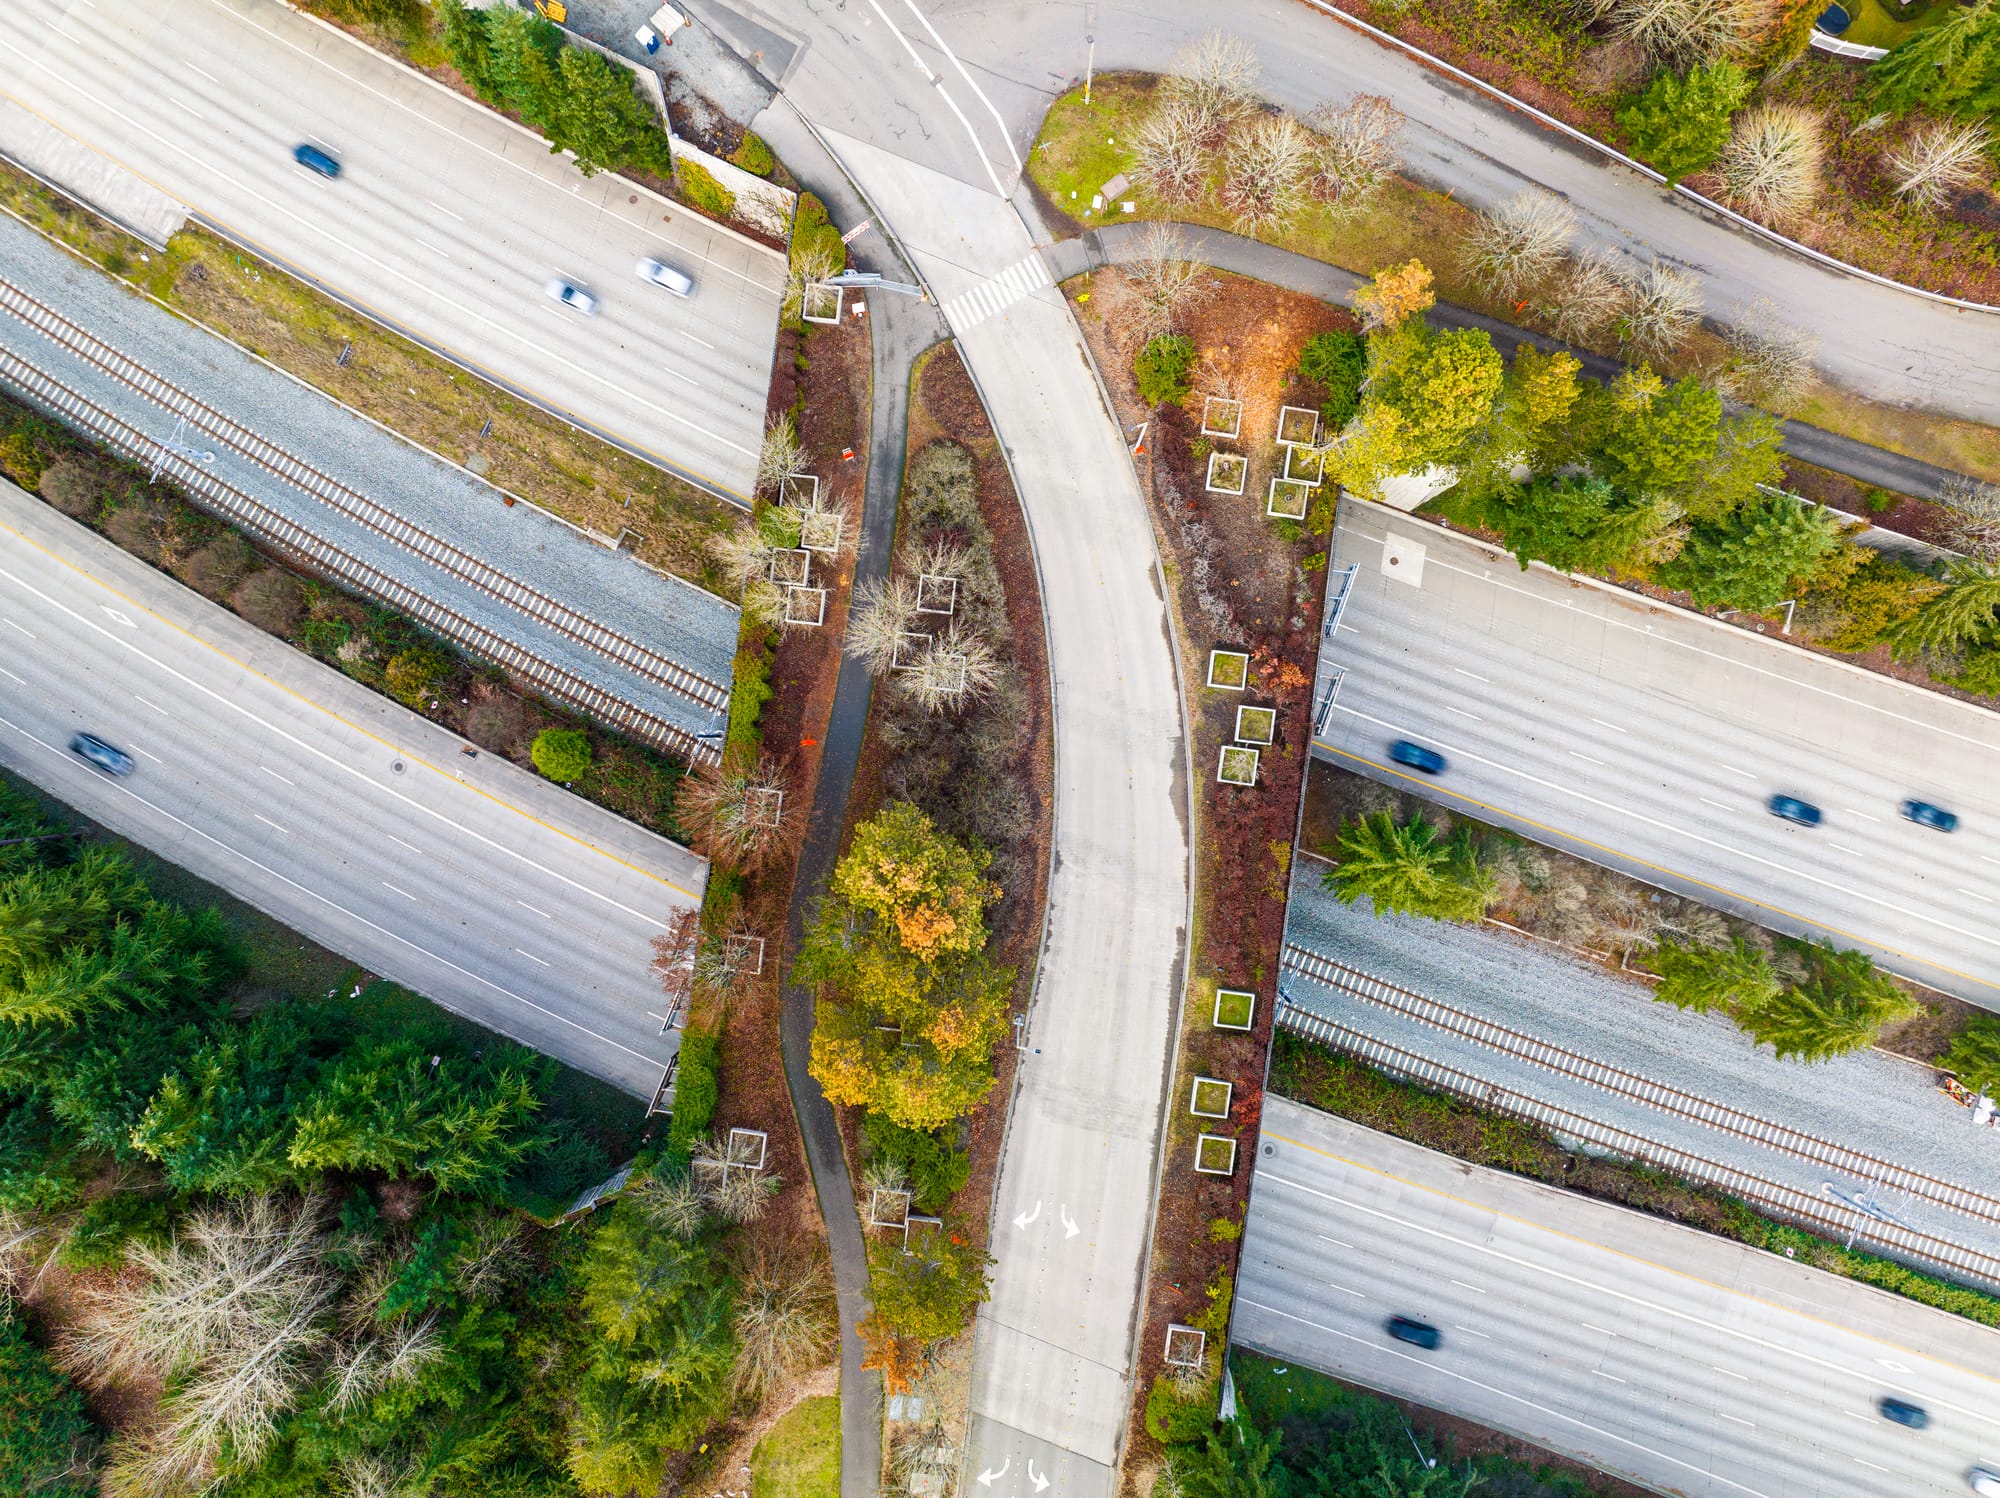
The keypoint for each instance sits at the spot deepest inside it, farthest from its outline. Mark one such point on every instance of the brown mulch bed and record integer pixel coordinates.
(1239, 584)
(1920, 519)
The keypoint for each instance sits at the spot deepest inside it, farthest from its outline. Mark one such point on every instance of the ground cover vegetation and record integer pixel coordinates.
(376, 646)
(1806, 1000)
(1181, 140)
(410, 390)
(1299, 1433)
(1339, 1084)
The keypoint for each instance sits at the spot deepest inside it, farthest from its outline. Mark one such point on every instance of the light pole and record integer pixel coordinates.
(1089, 65)
(174, 444)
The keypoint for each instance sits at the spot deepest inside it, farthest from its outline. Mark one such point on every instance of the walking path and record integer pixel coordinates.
(1118, 244)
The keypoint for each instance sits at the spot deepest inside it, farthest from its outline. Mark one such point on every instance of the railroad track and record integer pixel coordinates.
(1907, 1244)
(282, 533)
(358, 507)
(1627, 1084)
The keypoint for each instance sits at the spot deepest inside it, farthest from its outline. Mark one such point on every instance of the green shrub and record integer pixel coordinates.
(106, 1225)
(935, 1169)
(1336, 362)
(1162, 368)
(1680, 124)
(44, 1426)
(1224, 1230)
(750, 689)
(28, 447)
(810, 227)
(1879, 501)
(1174, 1421)
(324, 637)
(699, 188)
(413, 674)
(697, 1089)
(562, 754)
(754, 156)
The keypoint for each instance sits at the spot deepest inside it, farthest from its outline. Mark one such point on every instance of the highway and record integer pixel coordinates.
(332, 809)
(1682, 1362)
(1650, 739)
(445, 222)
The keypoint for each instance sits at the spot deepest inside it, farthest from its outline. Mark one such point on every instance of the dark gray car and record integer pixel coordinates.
(107, 757)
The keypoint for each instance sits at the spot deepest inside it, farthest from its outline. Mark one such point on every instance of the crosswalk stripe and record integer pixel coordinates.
(1021, 279)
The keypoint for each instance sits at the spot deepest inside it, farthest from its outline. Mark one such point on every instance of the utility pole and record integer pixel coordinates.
(1089, 65)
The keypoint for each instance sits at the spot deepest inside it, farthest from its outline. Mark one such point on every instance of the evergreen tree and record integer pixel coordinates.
(1233, 1461)
(1410, 869)
(1681, 122)
(46, 1434)
(1703, 978)
(1974, 1057)
(1575, 524)
(929, 1291)
(1442, 385)
(1661, 437)
(1953, 67)
(1962, 614)
(1841, 1005)
(222, 1121)
(1756, 558)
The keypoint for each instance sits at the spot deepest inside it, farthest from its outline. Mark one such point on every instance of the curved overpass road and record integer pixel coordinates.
(332, 809)
(1682, 1362)
(445, 222)
(1649, 739)
(1885, 343)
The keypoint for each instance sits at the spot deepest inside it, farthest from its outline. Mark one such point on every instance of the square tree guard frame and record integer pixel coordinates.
(1256, 725)
(1298, 426)
(743, 953)
(1230, 767)
(820, 302)
(1248, 1006)
(1186, 1346)
(764, 806)
(819, 530)
(1242, 672)
(936, 593)
(1210, 1084)
(1221, 416)
(805, 606)
(791, 567)
(1234, 465)
(1290, 499)
(1207, 1148)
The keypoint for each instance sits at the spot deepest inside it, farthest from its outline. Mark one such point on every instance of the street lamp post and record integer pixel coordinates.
(1089, 65)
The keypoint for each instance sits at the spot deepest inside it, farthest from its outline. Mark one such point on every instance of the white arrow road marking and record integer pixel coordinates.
(1035, 1477)
(1070, 1230)
(986, 1477)
(1022, 1221)
(118, 618)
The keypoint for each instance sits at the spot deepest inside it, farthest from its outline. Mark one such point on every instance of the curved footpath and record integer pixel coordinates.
(1117, 244)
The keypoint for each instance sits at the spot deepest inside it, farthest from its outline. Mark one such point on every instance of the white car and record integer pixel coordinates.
(679, 282)
(1985, 1484)
(572, 295)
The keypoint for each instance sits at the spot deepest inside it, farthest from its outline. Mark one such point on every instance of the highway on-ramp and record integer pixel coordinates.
(1683, 1362)
(1651, 739)
(332, 809)
(446, 220)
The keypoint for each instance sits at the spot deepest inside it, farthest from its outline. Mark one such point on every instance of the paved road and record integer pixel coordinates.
(446, 221)
(1650, 739)
(1886, 343)
(332, 809)
(1685, 1363)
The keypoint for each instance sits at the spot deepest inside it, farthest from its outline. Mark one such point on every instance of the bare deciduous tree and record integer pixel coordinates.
(883, 613)
(737, 812)
(1941, 158)
(1219, 72)
(1266, 171)
(956, 669)
(1773, 362)
(744, 553)
(780, 459)
(1520, 242)
(673, 1206)
(1588, 298)
(1355, 150)
(812, 263)
(785, 1322)
(1771, 165)
(1663, 307)
(1687, 31)
(1172, 152)
(1972, 516)
(1166, 280)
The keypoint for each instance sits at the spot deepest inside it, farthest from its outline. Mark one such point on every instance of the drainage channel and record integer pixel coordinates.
(283, 533)
(1627, 1084)
(363, 511)
(1802, 1207)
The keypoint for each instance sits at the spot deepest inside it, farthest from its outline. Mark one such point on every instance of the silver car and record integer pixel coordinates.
(572, 295)
(679, 282)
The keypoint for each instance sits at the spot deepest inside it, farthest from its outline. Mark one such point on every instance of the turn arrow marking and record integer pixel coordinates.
(1035, 1477)
(1070, 1230)
(1023, 1220)
(986, 1477)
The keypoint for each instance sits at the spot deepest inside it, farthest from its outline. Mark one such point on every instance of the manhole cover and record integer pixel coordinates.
(397, 767)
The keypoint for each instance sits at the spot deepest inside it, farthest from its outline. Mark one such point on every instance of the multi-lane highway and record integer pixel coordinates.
(1683, 1362)
(327, 806)
(446, 220)
(1651, 739)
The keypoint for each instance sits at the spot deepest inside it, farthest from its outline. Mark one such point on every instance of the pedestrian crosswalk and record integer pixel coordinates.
(970, 308)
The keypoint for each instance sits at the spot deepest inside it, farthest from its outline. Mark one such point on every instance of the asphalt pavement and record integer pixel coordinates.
(1650, 739)
(330, 808)
(1677, 1360)
(445, 223)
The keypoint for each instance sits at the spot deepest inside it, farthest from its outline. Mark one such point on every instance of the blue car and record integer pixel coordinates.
(1417, 757)
(1792, 809)
(1903, 1412)
(1935, 817)
(1416, 1333)
(313, 159)
(107, 757)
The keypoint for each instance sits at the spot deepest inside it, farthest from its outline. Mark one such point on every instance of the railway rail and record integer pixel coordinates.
(1924, 1250)
(1627, 1084)
(368, 513)
(282, 533)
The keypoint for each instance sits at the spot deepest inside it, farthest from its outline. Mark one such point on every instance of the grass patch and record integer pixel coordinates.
(1338, 1084)
(406, 388)
(1083, 146)
(800, 1456)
